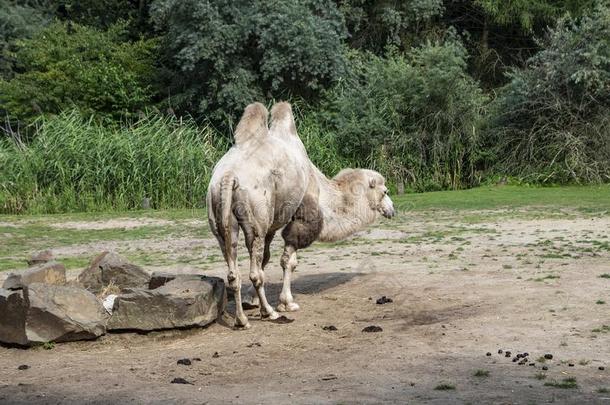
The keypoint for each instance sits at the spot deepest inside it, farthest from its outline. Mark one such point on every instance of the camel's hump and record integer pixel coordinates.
(253, 123)
(282, 120)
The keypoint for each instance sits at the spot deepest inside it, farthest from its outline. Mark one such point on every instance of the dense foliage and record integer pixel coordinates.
(412, 115)
(551, 123)
(229, 53)
(73, 66)
(106, 102)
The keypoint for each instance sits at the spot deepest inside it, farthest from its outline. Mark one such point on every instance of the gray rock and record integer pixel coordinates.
(183, 302)
(160, 278)
(63, 313)
(13, 310)
(50, 313)
(110, 268)
(41, 257)
(46, 273)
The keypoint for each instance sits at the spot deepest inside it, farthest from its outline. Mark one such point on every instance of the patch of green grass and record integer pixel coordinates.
(444, 387)
(481, 373)
(566, 383)
(588, 199)
(603, 390)
(603, 329)
(8, 263)
(604, 275)
(600, 302)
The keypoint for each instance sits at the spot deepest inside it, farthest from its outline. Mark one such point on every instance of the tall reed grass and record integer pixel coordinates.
(75, 164)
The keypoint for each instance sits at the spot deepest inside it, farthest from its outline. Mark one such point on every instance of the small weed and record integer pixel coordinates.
(603, 329)
(566, 383)
(600, 302)
(541, 359)
(507, 266)
(605, 275)
(603, 390)
(547, 277)
(583, 362)
(539, 376)
(481, 373)
(48, 345)
(444, 387)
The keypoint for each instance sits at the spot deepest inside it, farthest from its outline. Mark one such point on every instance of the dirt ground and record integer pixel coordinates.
(462, 286)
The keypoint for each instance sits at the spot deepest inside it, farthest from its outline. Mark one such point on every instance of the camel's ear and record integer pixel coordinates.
(372, 183)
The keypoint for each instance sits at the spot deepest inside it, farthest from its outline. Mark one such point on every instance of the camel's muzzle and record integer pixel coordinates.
(387, 207)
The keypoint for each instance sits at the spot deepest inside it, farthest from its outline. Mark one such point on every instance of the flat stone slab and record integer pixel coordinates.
(111, 269)
(50, 313)
(183, 302)
(160, 278)
(46, 273)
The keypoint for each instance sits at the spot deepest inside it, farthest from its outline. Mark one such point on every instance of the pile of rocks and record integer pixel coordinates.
(39, 305)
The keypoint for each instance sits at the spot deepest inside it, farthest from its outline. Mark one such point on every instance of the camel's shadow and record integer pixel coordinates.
(305, 284)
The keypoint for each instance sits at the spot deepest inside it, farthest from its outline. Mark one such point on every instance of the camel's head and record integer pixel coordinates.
(370, 184)
(378, 196)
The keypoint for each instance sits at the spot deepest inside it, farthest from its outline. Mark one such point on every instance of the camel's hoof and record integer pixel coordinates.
(239, 326)
(290, 307)
(271, 316)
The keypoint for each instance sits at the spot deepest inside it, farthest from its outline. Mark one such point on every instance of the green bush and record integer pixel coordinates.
(71, 66)
(75, 164)
(222, 55)
(413, 117)
(551, 123)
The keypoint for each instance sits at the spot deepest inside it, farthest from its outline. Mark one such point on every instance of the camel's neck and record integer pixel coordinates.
(343, 213)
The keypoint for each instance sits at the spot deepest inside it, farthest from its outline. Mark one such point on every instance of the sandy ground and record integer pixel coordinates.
(459, 289)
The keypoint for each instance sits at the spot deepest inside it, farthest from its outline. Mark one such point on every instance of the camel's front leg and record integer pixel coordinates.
(257, 276)
(288, 263)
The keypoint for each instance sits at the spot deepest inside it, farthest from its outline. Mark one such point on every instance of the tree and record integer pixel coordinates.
(19, 19)
(71, 66)
(551, 122)
(222, 55)
(412, 116)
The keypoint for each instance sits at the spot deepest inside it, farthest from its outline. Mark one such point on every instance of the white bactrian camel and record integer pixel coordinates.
(266, 182)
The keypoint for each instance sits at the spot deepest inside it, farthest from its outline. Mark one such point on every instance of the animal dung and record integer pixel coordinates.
(500, 351)
(384, 300)
(373, 328)
(329, 327)
(184, 362)
(488, 354)
(179, 380)
(23, 367)
(548, 356)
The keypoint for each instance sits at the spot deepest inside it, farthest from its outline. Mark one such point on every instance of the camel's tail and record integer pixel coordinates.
(282, 120)
(253, 123)
(227, 186)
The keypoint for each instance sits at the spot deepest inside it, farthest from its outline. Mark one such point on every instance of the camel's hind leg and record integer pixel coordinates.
(288, 263)
(256, 247)
(233, 276)
(250, 299)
